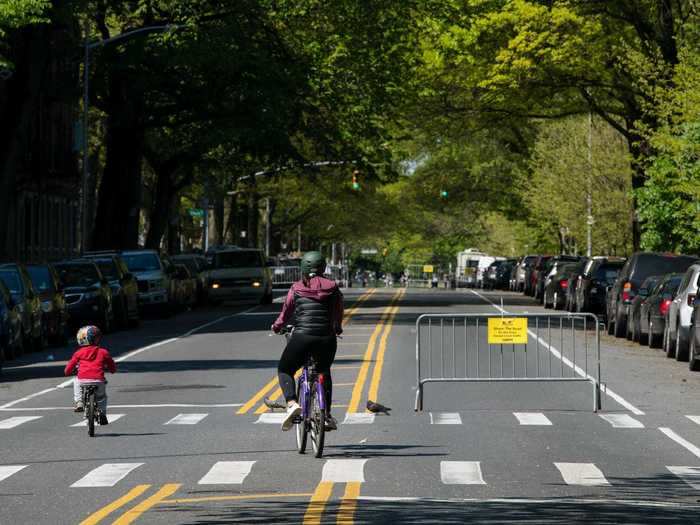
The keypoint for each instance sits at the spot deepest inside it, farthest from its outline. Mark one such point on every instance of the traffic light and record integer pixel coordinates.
(355, 184)
(443, 194)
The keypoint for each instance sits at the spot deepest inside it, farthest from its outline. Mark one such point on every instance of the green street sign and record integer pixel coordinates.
(196, 212)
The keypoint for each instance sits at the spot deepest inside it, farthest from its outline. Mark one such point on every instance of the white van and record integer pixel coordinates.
(471, 265)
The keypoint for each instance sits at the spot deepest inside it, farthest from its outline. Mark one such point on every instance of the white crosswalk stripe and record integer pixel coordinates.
(8, 470)
(691, 475)
(586, 474)
(16, 421)
(271, 418)
(106, 475)
(344, 470)
(532, 418)
(461, 473)
(110, 417)
(622, 421)
(359, 418)
(445, 418)
(227, 473)
(694, 419)
(186, 419)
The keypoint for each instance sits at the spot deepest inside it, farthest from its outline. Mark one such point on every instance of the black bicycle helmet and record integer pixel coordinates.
(313, 263)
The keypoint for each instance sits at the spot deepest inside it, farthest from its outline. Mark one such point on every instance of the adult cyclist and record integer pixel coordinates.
(314, 306)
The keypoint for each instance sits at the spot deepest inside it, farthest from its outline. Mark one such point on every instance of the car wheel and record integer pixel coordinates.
(681, 351)
(693, 361)
(611, 327)
(667, 346)
(42, 341)
(628, 335)
(654, 340)
(620, 326)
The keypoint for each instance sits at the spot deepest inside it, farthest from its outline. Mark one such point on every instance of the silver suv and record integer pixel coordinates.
(153, 273)
(239, 274)
(677, 332)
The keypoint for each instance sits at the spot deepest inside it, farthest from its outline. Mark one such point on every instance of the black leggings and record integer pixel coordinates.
(323, 349)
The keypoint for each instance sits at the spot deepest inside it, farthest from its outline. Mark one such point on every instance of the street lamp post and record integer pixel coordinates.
(89, 46)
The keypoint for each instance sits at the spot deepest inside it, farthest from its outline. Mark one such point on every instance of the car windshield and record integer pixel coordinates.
(108, 269)
(12, 281)
(239, 259)
(142, 262)
(77, 275)
(607, 273)
(41, 278)
(652, 264)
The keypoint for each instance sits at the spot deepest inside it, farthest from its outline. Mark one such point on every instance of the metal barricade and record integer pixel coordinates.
(457, 348)
(285, 275)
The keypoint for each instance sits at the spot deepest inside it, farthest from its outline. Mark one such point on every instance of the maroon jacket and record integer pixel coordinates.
(91, 362)
(318, 289)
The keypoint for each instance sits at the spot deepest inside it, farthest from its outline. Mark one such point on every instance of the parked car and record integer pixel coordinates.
(634, 322)
(496, 274)
(197, 265)
(652, 315)
(153, 273)
(88, 294)
(572, 285)
(677, 326)
(554, 295)
(11, 340)
(637, 268)
(597, 277)
(538, 275)
(512, 281)
(125, 290)
(186, 287)
(523, 272)
(53, 301)
(239, 275)
(694, 336)
(24, 295)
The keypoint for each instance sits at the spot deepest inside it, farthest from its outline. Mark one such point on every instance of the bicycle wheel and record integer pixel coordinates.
(302, 429)
(90, 413)
(318, 423)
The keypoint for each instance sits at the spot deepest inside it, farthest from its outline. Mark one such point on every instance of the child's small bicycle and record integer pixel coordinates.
(92, 411)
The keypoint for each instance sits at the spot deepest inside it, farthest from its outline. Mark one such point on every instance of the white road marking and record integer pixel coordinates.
(106, 475)
(358, 418)
(694, 419)
(556, 353)
(186, 419)
(691, 475)
(162, 405)
(622, 421)
(8, 470)
(532, 418)
(124, 357)
(445, 418)
(110, 417)
(585, 474)
(344, 470)
(16, 421)
(525, 501)
(227, 473)
(461, 473)
(681, 441)
(271, 418)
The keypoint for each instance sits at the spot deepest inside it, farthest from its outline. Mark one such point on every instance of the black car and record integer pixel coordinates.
(572, 285)
(538, 276)
(541, 277)
(11, 340)
(554, 295)
(53, 301)
(637, 268)
(694, 339)
(19, 283)
(125, 289)
(597, 277)
(636, 309)
(652, 315)
(88, 293)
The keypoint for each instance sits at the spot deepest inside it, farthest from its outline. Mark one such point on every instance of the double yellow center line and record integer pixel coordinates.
(136, 511)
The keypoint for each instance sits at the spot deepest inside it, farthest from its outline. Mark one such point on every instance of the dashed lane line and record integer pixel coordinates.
(16, 421)
(186, 419)
(582, 474)
(532, 419)
(9, 470)
(461, 473)
(681, 441)
(112, 418)
(227, 473)
(162, 405)
(622, 421)
(556, 353)
(106, 475)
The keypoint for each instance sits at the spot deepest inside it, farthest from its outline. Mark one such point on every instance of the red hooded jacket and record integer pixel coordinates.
(319, 289)
(91, 361)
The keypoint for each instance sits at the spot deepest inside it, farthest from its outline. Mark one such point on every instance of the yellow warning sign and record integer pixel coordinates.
(507, 330)
(428, 268)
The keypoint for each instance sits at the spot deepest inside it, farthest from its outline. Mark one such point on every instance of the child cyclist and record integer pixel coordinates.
(91, 360)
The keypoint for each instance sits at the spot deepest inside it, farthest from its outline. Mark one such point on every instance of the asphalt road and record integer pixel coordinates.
(190, 441)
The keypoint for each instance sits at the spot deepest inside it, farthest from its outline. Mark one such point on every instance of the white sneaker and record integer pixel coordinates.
(293, 411)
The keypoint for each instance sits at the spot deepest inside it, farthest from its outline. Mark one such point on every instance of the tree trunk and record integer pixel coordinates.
(253, 218)
(219, 220)
(231, 231)
(119, 202)
(159, 216)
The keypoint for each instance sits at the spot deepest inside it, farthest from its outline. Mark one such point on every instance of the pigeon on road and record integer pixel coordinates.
(377, 408)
